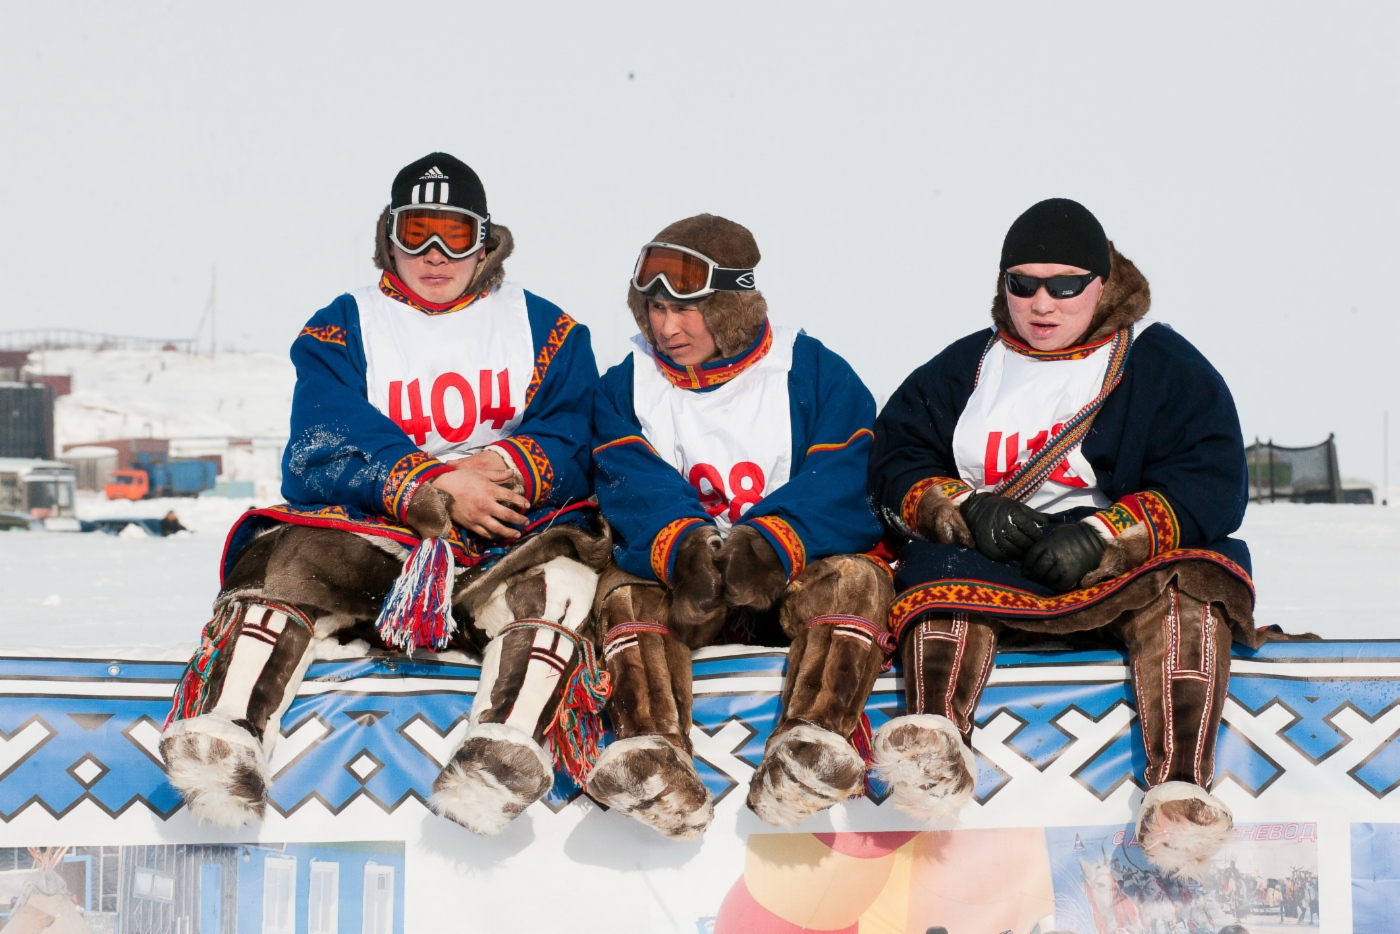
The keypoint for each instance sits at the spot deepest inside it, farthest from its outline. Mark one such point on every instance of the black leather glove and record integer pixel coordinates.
(1063, 556)
(1003, 528)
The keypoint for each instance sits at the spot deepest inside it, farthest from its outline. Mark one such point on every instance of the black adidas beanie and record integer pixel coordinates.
(438, 178)
(1057, 231)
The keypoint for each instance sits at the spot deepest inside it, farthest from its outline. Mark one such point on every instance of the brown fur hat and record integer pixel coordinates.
(735, 319)
(490, 272)
(1124, 300)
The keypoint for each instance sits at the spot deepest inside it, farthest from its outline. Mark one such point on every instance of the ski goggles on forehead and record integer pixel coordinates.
(457, 232)
(1023, 286)
(686, 273)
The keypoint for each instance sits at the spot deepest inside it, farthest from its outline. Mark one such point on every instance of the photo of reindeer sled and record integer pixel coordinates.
(1264, 880)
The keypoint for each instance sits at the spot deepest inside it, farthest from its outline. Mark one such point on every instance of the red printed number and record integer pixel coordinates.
(746, 482)
(495, 409)
(993, 474)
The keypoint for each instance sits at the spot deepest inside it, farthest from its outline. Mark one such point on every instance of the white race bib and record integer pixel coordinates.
(1019, 403)
(454, 382)
(732, 443)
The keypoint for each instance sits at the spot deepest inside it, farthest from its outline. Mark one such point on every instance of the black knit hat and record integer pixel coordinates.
(438, 178)
(1057, 231)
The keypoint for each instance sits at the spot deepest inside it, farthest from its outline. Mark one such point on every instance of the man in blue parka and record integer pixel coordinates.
(438, 453)
(731, 456)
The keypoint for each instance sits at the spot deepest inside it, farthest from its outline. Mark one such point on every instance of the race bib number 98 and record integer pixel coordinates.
(746, 483)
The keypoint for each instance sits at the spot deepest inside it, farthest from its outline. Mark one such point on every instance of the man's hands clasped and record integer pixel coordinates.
(483, 496)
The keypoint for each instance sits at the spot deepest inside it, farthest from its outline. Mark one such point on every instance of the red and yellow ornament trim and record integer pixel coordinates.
(706, 375)
(785, 540)
(663, 546)
(394, 287)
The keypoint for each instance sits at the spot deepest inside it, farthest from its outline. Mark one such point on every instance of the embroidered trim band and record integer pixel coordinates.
(863, 432)
(326, 333)
(858, 627)
(394, 287)
(909, 506)
(976, 596)
(663, 547)
(536, 471)
(1150, 507)
(788, 541)
(553, 343)
(708, 375)
(623, 636)
(399, 482)
(1077, 352)
(629, 439)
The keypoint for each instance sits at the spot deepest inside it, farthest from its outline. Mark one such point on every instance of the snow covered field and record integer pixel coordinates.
(1325, 569)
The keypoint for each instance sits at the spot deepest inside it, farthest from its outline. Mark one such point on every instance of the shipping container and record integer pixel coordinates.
(93, 465)
(26, 420)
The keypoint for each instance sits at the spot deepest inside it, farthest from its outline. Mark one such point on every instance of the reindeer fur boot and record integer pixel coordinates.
(228, 709)
(534, 621)
(1181, 827)
(837, 651)
(926, 756)
(648, 773)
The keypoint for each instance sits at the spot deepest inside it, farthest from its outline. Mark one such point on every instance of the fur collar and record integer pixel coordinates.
(490, 272)
(1125, 300)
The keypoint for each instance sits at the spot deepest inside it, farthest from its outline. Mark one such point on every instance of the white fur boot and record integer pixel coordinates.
(931, 771)
(496, 773)
(1181, 827)
(804, 770)
(218, 768)
(649, 779)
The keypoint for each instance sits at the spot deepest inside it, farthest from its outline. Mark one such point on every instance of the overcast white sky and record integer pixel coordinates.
(1243, 155)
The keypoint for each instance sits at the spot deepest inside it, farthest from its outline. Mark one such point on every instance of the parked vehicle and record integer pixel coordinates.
(36, 488)
(176, 478)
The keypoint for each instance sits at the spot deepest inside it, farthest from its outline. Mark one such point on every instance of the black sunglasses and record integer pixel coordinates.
(1058, 286)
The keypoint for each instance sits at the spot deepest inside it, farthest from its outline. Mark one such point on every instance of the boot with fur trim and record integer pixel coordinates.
(535, 621)
(947, 660)
(229, 705)
(1181, 827)
(495, 774)
(648, 773)
(930, 770)
(218, 768)
(809, 763)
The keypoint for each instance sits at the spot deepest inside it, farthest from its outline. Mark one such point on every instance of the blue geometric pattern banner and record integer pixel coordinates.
(381, 728)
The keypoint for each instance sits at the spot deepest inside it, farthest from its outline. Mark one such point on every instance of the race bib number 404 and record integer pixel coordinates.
(453, 409)
(746, 483)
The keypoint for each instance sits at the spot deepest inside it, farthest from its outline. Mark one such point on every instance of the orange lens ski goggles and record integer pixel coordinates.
(457, 232)
(686, 273)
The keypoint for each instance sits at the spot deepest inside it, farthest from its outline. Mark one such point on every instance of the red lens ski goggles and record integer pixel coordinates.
(457, 232)
(686, 273)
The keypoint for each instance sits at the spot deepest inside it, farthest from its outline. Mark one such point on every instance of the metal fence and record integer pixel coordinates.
(1294, 475)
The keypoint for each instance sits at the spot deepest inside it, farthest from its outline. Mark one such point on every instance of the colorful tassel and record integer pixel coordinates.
(418, 611)
(576, 732)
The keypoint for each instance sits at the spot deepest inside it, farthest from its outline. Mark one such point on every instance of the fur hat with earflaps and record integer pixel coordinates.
(735, 319)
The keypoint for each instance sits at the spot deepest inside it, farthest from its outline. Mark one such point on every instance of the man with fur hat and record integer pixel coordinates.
(1074, 469)
(731, 458)
(436, 479)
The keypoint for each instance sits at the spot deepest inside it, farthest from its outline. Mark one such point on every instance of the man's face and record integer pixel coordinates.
(681, 333)
(435, 277)
(1052, 323)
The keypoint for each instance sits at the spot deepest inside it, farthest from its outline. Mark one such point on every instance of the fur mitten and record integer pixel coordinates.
(429, 511)
(941, 521)
(753, 573)
(695, 608)
(1130, 549)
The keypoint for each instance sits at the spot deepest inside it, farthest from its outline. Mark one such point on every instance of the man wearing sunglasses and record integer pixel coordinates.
(731, 457)
(443, 410)
(1074, 469)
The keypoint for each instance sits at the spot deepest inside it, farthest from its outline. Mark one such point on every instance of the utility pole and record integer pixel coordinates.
(213, 311)
(1385, 458)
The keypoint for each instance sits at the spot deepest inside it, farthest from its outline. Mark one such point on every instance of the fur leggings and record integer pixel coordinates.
(1178, 649)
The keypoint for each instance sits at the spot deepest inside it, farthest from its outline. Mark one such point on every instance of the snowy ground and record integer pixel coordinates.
(1325, 569)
